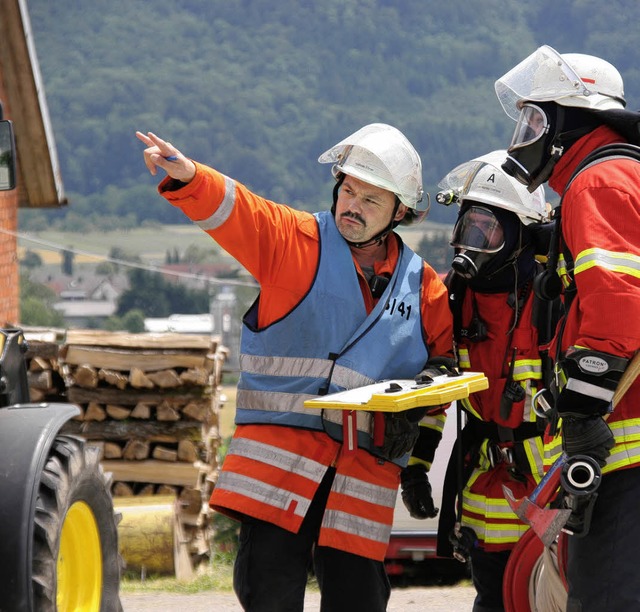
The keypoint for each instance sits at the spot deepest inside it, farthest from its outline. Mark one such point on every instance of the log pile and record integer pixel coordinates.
(151, 402)
(43, 371)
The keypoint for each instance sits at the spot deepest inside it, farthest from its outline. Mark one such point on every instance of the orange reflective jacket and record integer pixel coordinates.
(272, 472)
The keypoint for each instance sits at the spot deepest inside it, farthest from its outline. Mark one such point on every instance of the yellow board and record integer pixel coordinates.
(398, 395)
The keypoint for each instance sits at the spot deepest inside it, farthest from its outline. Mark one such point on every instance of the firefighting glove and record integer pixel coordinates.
(587, 436)
(437, 366)
(401, 432)
(416, 492)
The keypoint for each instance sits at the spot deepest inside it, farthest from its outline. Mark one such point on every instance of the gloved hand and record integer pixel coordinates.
(437, 366)
(400, 433)
(416, 492)
(587, 436)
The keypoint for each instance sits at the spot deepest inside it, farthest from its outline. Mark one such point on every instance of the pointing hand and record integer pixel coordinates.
(162, 154)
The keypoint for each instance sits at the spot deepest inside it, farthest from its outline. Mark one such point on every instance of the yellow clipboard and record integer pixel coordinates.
(401, 394)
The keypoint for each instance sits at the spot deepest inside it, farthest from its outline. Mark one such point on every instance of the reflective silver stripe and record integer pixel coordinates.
(364, 419)
(285, 366)
(580, 386)
(624, 263)
(527, 368)
(224, 210)
(495, 534)
(534, 449)
(463, 358)
(349, 379)
(275, 402)
(262, 492)
(356, 525)
(624, 455)
(277, 457)
(527, 412)
(303, 367)
(374, 494)
(434, 422)
(493, 508)
(627, 430)
(552, 450)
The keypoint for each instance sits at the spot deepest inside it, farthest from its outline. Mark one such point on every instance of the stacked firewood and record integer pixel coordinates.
(43, 371)
(151, 403)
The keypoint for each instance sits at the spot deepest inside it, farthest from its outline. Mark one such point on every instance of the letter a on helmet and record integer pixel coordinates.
(483, 180)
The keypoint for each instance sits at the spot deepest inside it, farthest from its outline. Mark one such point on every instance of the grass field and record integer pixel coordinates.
(149, 243)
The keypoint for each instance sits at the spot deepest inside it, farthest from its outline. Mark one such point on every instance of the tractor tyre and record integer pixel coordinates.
(76, 564)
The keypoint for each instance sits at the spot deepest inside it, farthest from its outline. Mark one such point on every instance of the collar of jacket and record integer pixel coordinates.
(566, 165)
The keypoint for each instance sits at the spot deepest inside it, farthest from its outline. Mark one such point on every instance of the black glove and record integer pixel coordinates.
(437, 366)
(587, 436)
(416, 492)
(400, 433)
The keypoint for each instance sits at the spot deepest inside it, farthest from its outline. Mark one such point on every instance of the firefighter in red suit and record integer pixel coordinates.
(496, 319)
(573, 131)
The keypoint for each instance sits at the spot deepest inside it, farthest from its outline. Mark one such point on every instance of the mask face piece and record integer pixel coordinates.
(532, 125)
(530, 151)
(477, 237)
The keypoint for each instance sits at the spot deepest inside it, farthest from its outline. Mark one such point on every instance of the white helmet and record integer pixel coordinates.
(380, 155)
(483, 180)
(570, 79)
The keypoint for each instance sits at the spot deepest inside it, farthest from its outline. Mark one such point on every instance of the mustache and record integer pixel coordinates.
(355, 216)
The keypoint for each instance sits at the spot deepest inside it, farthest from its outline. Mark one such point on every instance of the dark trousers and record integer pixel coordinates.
(272, 567)
(487, 571)
(602, 567)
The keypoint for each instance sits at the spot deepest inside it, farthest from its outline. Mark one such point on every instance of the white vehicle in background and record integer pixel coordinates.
(412, 547)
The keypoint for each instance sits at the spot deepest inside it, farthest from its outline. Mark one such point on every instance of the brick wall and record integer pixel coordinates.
(9, 279)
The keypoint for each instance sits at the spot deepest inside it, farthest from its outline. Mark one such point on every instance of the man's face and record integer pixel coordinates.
(363, 210)
(532, 124)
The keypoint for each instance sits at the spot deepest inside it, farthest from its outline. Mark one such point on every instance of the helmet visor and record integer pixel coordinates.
(381, 155)
(478, 230)
(543, 76)
(531, 126)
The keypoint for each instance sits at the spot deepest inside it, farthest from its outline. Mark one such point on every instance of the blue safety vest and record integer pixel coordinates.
(328, 343)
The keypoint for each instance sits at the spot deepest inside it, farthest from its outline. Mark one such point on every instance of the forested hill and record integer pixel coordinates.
(259, 88)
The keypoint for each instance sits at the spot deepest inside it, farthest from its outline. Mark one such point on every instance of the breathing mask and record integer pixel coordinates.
(535, 146)
(477, 237)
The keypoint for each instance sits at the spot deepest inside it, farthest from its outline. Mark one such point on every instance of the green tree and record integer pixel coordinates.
(133, 321)
(36, 305)
(151, 294)
(31, 260)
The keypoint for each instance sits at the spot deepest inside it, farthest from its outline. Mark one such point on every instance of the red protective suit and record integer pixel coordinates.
(485, 509)
(601, 230)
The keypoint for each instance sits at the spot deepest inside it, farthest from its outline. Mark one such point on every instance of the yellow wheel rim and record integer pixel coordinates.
(79, 584)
